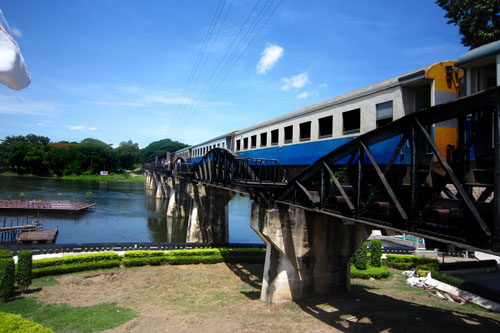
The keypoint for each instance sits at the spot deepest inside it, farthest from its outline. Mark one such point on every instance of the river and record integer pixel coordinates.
(124, 212)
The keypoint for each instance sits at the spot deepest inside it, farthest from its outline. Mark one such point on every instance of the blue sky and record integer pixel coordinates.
(119, 70)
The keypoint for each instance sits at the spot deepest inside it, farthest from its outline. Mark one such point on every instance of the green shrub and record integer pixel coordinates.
(143, 261)
(24, 265)
(7, 278)
(360, 258)
(196, 256)
(74, 267)
(81, 258)
(370, 271)
(376, 252)
(5, 254)
(477, 289)
(405, 262)
(143, 254)
(16, 324)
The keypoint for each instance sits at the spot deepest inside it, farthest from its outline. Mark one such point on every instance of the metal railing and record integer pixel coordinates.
(257, 171)
(174, 168)
(103, 247)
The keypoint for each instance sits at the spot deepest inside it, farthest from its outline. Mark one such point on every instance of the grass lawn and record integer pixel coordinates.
(65, 318)
(110, 178)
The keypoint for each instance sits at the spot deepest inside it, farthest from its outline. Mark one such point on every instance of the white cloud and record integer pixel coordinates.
(297, 81)
(76, 128)
(117, 103)
(16, 32)
(270, 56)
(10, 104)
(159, 99)
(92, 129)
(40, 124)
(304, 94)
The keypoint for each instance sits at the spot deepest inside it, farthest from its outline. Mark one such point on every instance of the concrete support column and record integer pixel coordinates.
(208, 217)
(307, 253)
(171, 197)
(161, 191)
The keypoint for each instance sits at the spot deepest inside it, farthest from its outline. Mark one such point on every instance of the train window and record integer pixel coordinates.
(305, 131)
(238, 145)
(289, 134)
(253, 142)
(245, 143)
(263, 139)
(325, 127)
(352, 121)
(384, 114)
(422, 97)
(274, 137)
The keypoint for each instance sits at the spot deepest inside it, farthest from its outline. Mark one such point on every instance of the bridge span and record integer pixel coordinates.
(313, 223)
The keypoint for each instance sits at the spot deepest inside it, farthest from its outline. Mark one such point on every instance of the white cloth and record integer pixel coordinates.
(13, 71)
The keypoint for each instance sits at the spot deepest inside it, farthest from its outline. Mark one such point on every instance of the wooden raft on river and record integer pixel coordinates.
(50, 206)
(26, 230)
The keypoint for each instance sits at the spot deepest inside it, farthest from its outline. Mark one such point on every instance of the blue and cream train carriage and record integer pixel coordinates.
(299, 138)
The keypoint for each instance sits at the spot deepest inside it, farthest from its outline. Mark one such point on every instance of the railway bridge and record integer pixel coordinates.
(313, 223)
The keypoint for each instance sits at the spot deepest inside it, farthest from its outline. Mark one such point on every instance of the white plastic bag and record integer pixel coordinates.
(13, 71)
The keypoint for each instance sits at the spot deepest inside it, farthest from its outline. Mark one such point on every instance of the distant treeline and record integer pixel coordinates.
(33, 154)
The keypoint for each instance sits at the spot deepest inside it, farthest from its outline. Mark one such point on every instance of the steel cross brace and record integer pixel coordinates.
(454, 179)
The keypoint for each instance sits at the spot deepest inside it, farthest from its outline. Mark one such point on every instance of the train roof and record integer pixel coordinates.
(214, 139)
(405, 79)
(479, 53)
(182, 150)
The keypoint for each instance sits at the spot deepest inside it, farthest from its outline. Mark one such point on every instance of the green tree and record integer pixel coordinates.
(128, 154)
(24, 266)
(375, 252)
(160, 148)
(360, 257)
(97, 156)
(478, 20)
(24, 154)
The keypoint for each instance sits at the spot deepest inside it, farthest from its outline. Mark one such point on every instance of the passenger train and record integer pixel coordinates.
(299, 138)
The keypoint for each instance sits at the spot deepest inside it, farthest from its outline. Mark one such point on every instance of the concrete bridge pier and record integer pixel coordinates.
(178, 198)
(307, 253)
(161, 191)
(208, 218)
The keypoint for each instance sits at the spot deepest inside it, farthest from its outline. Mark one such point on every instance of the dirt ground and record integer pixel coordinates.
(225, 298)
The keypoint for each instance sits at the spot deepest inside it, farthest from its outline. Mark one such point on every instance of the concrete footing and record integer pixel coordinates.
(307, 253)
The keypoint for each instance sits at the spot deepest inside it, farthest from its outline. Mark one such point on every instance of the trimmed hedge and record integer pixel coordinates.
(15, 323)
(376, 252)
(405, 262)
(77, 263)
(24, 266)
(195, 256)
(143, 254)
(5, 254)
(81, 258)
(491, 294)
(222, 251)
(74, 267)
(370, 271)
(143, 261)
(7, 278)
(360, 257)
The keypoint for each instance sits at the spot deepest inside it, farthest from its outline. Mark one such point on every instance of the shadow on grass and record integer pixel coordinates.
(362, 310)
(250, 274)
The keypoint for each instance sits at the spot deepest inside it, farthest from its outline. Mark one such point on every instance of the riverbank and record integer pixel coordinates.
(119, 177)
(225, 298)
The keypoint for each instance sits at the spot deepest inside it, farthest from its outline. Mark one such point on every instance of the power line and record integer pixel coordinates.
(235, 57)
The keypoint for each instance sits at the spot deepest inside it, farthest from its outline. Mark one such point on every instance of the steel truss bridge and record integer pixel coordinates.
(452, 197)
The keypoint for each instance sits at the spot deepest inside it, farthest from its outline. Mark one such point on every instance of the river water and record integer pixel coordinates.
(124, 212)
